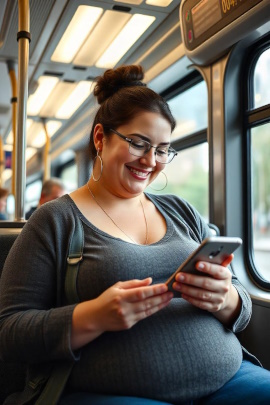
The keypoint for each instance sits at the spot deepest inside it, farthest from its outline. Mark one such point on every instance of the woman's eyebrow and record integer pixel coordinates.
(145, 138)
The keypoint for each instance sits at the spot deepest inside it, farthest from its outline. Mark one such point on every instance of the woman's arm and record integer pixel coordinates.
(118, 308)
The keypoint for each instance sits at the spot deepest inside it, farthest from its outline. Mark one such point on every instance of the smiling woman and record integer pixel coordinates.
(125, 326)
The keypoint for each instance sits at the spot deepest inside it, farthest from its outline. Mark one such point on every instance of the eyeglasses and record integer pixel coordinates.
(139, 147)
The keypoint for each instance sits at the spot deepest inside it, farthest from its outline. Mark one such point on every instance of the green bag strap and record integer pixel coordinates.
(75, 256)
(61, 372)
(55, 385)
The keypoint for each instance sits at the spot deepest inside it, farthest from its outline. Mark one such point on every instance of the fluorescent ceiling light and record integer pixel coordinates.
(135, 27)
(61, 92)
(52, 127)
(29, 153)
(75, 99)
(35, 102)
(129, 1)
(7, 173)
(159, 3)
(97, 42)
(36, 136)
(9, 139)
(8, 148)
(77, 31)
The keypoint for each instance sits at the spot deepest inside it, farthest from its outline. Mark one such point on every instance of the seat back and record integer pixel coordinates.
(12, 375)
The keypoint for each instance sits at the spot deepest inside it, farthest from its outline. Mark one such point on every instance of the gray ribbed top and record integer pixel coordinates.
(179, 353)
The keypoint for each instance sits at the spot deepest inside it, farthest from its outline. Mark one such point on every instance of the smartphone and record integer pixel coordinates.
(214, 249)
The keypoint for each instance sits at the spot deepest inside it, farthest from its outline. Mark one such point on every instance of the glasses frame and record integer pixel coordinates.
(130, 142)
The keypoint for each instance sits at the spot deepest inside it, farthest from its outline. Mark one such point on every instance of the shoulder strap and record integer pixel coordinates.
(75, 256)
(51, 382)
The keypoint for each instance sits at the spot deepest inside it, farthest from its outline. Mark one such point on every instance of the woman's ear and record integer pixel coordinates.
(99, 137)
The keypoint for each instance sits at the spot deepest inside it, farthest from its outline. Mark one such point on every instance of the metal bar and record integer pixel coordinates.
(14, 101)
(46, 154)
(23, 59)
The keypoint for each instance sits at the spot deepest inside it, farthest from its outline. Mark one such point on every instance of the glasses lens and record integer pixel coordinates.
(166, 157)
(138, 147)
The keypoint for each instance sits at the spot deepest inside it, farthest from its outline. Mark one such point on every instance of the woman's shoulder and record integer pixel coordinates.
(54, 217)
(173, 203)
(58, 208)
(178, 208)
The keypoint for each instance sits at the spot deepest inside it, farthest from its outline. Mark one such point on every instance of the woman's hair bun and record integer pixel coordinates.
(114, 79)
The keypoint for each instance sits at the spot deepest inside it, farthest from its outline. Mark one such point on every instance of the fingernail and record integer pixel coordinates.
(200, 266)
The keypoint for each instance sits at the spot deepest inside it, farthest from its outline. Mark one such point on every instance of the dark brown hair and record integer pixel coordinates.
(122, 95)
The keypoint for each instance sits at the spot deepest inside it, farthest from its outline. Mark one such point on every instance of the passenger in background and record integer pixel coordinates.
(51, 189)
(3, 203)
(130, 342)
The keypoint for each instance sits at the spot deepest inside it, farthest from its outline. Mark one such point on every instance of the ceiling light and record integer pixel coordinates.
(9, 139)
(97, 41)
(130, 1)
(35, 102)
(29, 153)
(52, 127)
(36, 136)
(61, 92)
(159, 3)
(8, 148)
(75, 99)
(6, 174)
(77, 31)
(135, 27)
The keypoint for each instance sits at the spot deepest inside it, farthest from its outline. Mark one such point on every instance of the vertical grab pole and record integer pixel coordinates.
(46, 154)
(14, 100)
(23, 38)
(2, 159)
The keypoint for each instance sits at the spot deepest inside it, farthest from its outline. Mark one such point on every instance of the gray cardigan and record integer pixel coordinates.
(178, 354)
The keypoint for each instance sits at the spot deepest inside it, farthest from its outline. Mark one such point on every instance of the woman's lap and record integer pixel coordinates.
(85, 398)
(249, 386)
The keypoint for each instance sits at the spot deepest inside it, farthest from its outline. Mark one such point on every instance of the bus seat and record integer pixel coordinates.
(12, 375)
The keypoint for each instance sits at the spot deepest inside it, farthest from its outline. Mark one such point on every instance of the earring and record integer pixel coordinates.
(166, 182)
(101, 167)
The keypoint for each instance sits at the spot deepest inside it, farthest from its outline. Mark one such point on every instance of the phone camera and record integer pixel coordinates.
(215, 253)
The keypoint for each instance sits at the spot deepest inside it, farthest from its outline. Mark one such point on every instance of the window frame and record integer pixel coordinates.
(253, 117)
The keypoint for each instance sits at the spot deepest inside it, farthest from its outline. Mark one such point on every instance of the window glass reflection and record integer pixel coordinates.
(187, 177)
(260, 180)
(262, 80)
(190, 110)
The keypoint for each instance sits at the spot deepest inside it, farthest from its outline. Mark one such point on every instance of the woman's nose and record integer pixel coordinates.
(149, 158)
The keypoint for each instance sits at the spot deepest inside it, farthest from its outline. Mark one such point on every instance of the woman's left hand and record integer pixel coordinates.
(214, 292)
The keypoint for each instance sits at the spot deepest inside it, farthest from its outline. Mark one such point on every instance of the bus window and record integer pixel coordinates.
(260, 147)
(190, 110)
(32, 194)
(187, 174)
(69, 176)
(260, 167)
(262, 80)
(187, 177)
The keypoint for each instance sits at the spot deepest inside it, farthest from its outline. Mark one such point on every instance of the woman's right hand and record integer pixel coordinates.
(118, 308)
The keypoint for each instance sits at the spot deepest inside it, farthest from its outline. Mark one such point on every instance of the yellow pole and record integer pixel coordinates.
(2, 160)
(14, 100)
(46, 155)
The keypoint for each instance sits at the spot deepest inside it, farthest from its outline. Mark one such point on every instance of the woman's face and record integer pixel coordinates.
(127, 175)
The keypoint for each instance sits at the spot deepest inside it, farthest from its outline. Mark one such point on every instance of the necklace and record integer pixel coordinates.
(146, 225)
